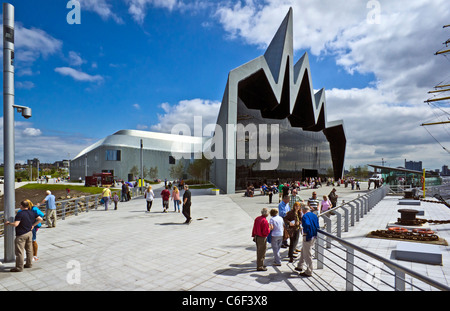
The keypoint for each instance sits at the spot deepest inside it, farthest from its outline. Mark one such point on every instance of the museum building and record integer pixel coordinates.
(269, 93)
(272, 90)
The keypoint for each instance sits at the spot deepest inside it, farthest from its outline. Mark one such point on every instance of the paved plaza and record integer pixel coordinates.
(128, 249)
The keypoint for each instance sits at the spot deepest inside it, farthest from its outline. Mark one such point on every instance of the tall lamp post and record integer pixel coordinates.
(142, 167)
(8, 128)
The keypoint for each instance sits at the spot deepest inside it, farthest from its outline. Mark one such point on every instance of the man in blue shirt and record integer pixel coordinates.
(283, 208)
(50, 210)
(310, 224)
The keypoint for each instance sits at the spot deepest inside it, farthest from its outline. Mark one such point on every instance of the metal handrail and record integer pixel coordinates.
(392, 265)
(365, 203)
(353, 211)
(64, 207)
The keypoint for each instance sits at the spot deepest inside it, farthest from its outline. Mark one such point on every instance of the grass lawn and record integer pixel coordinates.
(53, 187)
(207, 186)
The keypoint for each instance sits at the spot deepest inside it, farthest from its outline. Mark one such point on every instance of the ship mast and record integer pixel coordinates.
(440, 88)
(443, 87)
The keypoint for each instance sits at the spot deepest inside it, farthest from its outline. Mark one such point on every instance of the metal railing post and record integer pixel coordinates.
(346, 218)
(358, 209)
(76, 207)
(349, 269)
(338, 224)
(63, 210)
(399, 280)
(327, 221)
(319, 250)
(352, 214)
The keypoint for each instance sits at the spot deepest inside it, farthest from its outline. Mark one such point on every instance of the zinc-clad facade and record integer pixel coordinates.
(119, 152)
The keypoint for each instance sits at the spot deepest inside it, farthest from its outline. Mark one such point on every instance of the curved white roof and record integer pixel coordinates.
(150, 141)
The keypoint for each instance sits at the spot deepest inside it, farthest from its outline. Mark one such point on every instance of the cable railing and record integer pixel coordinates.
(356, 267)
(339, 219)
(74, 206)
(366, 271)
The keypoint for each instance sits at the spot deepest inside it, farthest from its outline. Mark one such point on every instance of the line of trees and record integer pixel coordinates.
(25, 173)
(198, 169)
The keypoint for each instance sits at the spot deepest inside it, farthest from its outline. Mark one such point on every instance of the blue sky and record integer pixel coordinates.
(148, 64)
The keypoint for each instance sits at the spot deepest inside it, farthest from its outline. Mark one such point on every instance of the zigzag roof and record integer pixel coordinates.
(279, 89)
(302, 107)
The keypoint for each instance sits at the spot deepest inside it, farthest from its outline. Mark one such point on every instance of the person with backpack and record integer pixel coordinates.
(165, 194)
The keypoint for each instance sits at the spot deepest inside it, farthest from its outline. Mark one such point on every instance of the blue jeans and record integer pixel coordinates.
(176, 204)
(34, 231)
(276, 245)
(106, 200)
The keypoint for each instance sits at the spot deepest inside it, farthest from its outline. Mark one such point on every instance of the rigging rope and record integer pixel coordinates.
(436, 140)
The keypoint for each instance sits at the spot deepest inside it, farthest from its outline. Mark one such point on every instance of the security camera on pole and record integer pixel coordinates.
(8, 127)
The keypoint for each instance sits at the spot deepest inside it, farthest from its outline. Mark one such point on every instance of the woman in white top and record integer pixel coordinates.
(276, 226)
(149, 195)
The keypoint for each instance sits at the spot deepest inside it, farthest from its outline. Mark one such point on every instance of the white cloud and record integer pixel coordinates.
(184, 113)
(27, 85)
(30, 45)
(33, 43)
(376, 129)
(29, 131)
(31, 142)
(141, 127)
(136, 106)
(102, 8)
(78, 75)
(75, 59)
(383, 119)
(138, 8)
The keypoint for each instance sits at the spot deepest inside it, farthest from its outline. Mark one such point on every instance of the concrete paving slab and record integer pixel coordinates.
(129, 249)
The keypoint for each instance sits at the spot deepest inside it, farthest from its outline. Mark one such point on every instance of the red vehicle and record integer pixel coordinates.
(99, 180)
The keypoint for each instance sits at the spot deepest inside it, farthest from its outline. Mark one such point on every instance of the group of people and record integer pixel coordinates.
(27, 222)
(288, 223)
(296, 222)
(166, 196)
(108, 196)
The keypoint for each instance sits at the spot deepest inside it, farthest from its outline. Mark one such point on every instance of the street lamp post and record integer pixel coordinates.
(142, 166)
(8, 128)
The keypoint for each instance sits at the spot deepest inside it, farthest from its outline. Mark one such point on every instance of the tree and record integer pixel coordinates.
(134, 171)
(153, 172)
(199, 168)
(177, 170)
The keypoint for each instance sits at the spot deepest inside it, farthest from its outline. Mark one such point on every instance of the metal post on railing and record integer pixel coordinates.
(63, 210)
(319, 250)
(346, 218)
(358, 203)
(365, 204)
(399, 280)
(76, 207)
(338, 224)
(352, 213)
(328, 228)
(349, 269)
(86, 202)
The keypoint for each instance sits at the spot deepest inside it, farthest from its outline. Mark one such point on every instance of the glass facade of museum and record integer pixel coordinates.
(301, 153)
